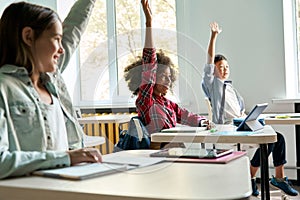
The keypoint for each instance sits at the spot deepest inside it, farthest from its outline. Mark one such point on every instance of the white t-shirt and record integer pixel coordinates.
(57, 138)
(232, 107)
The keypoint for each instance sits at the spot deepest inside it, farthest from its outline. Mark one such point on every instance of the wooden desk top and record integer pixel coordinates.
(283, 118)
(122, 118)
(164, 181)
(266, 135)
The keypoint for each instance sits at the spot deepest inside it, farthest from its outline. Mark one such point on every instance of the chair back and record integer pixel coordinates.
(209, 109)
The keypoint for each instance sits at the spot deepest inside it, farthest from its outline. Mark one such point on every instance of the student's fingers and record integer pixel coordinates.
(93, 155)
(145, 4)
(214, 26)
(85, 155)
(146, 9)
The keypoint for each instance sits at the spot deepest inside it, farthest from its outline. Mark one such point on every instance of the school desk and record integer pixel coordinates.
(162, 181)
(288, 119)
(228, 134)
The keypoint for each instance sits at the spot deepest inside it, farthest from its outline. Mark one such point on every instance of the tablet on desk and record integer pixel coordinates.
(191, 153)
(251, 123)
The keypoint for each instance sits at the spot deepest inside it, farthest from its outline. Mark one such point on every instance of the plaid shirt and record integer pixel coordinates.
(157, 112)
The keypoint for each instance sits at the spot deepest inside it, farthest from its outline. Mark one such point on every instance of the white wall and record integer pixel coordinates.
(4, 4)
(252, 40)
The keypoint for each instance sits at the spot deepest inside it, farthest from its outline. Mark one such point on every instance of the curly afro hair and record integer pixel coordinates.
(133, 72)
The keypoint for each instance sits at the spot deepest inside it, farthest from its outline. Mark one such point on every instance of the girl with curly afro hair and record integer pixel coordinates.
(150, 78)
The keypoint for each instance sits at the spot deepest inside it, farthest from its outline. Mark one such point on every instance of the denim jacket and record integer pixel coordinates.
(214, 89)
(24, 129)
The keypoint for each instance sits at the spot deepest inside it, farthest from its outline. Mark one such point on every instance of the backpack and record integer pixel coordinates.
(136, 137)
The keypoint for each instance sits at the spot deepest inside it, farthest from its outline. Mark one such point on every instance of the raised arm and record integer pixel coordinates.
(215, 30)
(148, 15)
(73, 27)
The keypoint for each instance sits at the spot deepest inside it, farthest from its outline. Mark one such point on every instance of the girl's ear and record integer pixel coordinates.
(27, 35)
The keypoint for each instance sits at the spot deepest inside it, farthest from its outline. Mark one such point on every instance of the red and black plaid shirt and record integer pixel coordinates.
(157, 112)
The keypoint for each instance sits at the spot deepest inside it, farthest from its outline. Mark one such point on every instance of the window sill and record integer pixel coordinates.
(285, 101)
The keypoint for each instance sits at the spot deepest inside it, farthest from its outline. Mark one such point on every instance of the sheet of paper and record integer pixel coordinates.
(184, 129)
(236, 133)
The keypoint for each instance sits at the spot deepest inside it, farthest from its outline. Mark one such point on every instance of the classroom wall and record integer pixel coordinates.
(252, 40)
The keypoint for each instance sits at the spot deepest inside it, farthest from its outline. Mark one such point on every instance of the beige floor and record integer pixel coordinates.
(278, 195)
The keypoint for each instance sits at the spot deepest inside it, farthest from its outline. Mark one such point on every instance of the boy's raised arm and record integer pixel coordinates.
(215, 30)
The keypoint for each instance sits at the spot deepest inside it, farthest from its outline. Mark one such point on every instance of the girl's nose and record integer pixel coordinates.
(61, 50)
(168, 79)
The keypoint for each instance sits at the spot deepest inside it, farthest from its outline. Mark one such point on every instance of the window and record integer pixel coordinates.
(291, 18)
(113, 39)
(298, 39)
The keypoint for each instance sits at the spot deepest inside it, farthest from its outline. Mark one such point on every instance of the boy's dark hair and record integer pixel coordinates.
(219, 57)
(133, 72)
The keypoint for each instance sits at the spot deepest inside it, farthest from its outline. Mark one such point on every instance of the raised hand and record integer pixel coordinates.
(214, 27)
(147, 12)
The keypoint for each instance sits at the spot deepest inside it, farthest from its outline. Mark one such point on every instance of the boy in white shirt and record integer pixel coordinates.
(227, 104)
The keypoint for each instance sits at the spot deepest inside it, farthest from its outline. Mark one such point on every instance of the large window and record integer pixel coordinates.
(114, 38)
(298, 39)
(291, 11)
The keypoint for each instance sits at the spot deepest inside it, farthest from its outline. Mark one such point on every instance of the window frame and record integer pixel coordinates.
(116, 101)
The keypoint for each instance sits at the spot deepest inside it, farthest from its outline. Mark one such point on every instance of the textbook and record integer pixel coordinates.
(82, 171)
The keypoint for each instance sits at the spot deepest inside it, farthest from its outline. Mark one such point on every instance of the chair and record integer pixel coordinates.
(89, 140)
(209, 109)
(209, 117)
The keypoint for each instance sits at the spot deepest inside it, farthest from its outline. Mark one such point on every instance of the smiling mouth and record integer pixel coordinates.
(56, 58)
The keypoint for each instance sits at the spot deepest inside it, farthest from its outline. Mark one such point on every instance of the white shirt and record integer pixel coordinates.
(232, 106)
(57, 138)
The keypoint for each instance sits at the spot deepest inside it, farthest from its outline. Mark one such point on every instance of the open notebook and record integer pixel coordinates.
(83, 171)
(112, 163)
(184, 129)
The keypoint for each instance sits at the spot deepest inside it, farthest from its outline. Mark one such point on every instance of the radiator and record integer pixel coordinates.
(110, 131)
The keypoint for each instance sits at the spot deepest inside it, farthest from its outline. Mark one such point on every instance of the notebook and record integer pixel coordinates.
(191, 153)
(251, 122)
(184, 129)
(81, 172)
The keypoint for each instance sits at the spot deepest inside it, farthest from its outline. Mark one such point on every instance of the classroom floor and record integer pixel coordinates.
(276, 194)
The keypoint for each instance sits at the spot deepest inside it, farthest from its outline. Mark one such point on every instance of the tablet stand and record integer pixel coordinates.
(252, 125)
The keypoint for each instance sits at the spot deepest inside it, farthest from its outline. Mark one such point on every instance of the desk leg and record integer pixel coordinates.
(298, 153)
(297, 132)
(264, 171)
